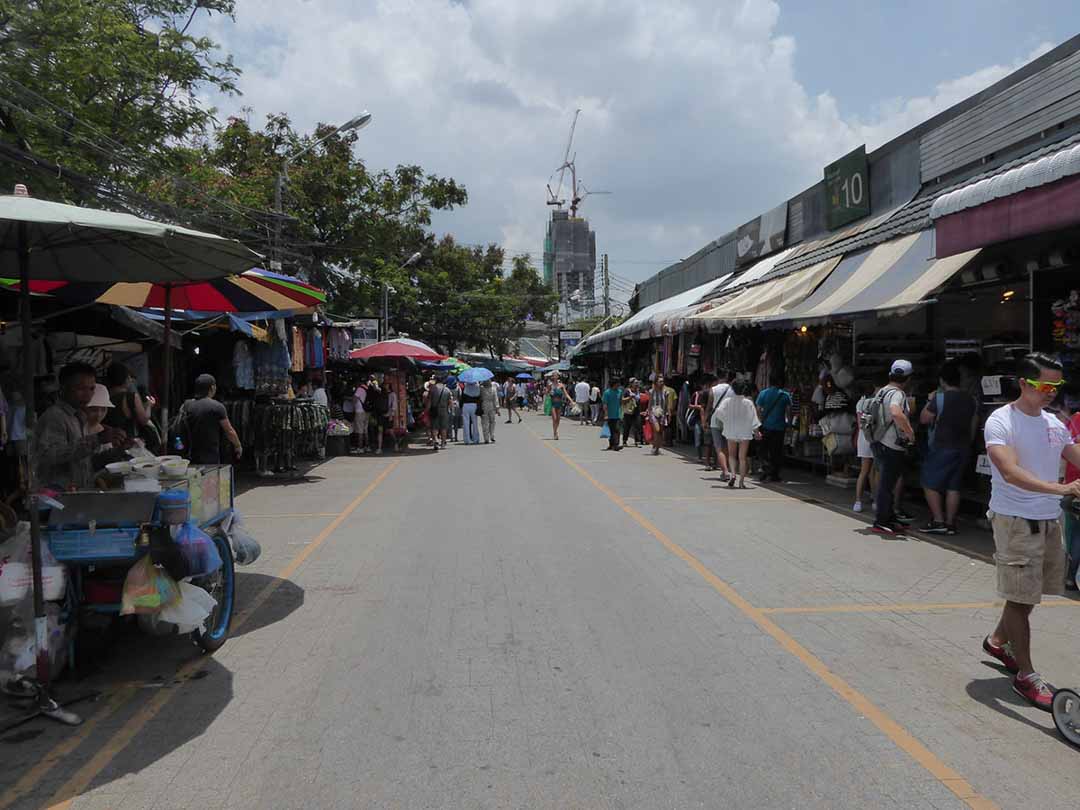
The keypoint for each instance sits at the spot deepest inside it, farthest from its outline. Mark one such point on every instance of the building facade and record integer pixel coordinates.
(570, 260)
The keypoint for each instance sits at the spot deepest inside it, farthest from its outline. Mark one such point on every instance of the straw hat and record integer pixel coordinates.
(101, 397)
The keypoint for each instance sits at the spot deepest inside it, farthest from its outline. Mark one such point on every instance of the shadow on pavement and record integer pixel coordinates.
(286, 598)
(246, 483)
(997, 694)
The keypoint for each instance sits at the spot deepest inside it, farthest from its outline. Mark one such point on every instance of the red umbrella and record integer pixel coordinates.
(400, 347)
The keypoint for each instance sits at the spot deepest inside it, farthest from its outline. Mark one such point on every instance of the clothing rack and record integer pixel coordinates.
(278, 433)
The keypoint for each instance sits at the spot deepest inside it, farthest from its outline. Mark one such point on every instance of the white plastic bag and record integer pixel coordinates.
(190, 612)
(246, 549)
(16, 574)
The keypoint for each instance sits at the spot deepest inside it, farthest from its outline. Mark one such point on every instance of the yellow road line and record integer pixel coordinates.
(64, 747)
(79, 781)
(900, 736)
(905, 607)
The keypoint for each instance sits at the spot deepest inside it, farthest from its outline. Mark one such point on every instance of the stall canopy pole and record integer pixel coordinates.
(41, 634)
(167, 348)
(46, 705)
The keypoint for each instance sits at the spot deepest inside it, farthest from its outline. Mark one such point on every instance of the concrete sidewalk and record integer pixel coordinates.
(812, 488)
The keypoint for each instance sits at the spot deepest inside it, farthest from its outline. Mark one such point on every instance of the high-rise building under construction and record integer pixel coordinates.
(570, 260)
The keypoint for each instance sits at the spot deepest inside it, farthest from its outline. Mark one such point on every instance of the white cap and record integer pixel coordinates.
(101, 398)
(902, 367)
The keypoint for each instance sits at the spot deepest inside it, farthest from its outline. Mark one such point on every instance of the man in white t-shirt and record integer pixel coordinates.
(719, 392)
(581, 398)
(1026, 444)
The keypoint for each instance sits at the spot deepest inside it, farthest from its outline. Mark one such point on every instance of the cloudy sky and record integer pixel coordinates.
(696, 114)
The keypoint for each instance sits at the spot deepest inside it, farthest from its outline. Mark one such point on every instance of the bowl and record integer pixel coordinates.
(146, 469)
(120, 468)
(175, 468)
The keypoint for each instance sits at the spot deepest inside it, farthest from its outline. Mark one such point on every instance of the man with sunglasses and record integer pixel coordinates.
(1025, 445)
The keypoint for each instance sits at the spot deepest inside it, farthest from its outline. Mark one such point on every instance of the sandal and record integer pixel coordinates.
(743, 485)
(731, 484)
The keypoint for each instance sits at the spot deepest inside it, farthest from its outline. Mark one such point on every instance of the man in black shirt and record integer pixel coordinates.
(952, 414)
(205, 420)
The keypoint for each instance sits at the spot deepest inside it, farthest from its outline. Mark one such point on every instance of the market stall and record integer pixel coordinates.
(60, 243)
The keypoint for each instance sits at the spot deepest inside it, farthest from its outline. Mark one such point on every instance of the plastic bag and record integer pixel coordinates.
(18, 655)
(198, 549)
(189, 612)
(605, 432)
(547, 405)
(646, 429)
(16, 572)
(147, 589)
(246, 549)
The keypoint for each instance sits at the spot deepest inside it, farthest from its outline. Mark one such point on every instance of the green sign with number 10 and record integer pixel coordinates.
(847, 189)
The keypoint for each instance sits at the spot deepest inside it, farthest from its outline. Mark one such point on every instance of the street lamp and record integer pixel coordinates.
(387, 289)
(357, 122)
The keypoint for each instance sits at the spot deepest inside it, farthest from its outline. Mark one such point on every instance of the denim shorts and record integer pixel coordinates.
(944, 468)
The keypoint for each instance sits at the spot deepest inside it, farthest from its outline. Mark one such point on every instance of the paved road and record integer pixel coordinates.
(539, 624)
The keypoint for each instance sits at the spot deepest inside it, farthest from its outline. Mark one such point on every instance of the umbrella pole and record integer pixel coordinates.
(46, 705)
(167, 348)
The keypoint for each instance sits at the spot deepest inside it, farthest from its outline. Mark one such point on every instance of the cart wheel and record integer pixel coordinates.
(221, 585)
(1066, 711)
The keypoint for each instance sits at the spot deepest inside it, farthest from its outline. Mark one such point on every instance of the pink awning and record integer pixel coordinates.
(1036, 210)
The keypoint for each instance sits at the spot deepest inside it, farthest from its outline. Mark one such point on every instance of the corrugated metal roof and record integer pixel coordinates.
(1034, 173)
(910, 218)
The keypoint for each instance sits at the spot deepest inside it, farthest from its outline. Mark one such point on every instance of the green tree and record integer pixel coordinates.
(346, 228)
(106, 88)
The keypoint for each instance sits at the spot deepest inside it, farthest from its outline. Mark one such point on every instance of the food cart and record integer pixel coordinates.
(100, 534)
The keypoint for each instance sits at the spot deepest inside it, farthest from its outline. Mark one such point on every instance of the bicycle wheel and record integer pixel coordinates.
(222, 586)
(1066, 711)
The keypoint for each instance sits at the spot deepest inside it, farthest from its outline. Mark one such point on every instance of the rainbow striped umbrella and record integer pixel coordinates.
(254, 290)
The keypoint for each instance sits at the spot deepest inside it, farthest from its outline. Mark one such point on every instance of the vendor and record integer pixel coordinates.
(97, 414)
(128, 413)
(63, 446)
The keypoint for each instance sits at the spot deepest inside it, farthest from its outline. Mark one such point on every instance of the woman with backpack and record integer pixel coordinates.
(695, 418)
(863, 449)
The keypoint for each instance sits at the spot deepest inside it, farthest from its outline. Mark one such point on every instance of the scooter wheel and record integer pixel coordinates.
(1066, 711)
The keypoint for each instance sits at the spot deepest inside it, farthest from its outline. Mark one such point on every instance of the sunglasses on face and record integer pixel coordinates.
(1044, 387)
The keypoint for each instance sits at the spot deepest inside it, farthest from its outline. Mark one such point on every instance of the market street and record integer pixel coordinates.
(541, 624)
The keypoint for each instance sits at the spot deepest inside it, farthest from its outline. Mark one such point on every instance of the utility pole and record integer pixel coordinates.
(607, 286)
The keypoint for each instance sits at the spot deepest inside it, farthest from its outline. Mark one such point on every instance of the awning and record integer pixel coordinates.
(143, 325)
(766, 300)
(649, 318)
(893, 277)
(759, 270)
(1039, 196)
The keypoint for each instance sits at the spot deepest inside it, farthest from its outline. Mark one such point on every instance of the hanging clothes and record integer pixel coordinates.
(243, 366)
(297, 350)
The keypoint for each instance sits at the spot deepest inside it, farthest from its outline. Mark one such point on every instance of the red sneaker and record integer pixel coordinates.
(1002, 654)
(1035, 690)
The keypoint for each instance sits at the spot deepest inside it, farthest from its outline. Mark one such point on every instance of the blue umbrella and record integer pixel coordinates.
(475, 375)
(524, 376)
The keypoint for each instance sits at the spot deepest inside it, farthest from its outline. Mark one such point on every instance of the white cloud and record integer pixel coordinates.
(692, 112)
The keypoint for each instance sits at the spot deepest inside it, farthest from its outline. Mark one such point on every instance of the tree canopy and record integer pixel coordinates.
(103, 102)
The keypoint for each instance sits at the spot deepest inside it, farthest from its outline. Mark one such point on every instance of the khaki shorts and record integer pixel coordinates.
(1028, 565)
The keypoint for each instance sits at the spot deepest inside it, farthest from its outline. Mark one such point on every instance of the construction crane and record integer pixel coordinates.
(568, 163)
(580, 193)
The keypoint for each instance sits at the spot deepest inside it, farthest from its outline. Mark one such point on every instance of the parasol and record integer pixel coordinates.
(475, 375)
(252, 291)
(56, 242)
(399, 348)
